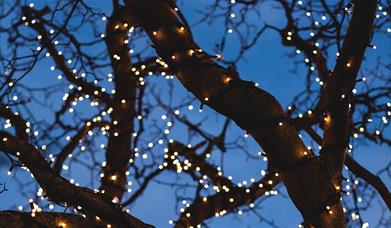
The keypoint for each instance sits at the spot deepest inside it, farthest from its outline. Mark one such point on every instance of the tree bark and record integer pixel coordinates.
(16, 219)
(256, 111)
(119, 149)
(60, 190)
(311, 183)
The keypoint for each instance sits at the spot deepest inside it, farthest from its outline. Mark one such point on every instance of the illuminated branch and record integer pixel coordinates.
(58, 58)
(69, 99)
(228, 197)
(149, 66)
(253, 109)
(57, 188)
(290, 37)
(197, 163)
(334, 100)
(370, 178)
(21, 126)
(142, 188)
(119, 149)
(60, 190)
(359, 171)
(74, 142)
(224, 202)
(43, 219)
(139, 115)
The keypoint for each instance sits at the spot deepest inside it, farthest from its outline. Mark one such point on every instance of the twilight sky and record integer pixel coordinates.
(267, 64)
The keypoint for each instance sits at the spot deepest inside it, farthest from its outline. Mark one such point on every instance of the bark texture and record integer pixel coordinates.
(60, 190)
(311, 182)
(119, 144)
(16, 219)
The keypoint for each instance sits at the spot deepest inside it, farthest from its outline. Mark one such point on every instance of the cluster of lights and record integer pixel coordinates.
(175, 161)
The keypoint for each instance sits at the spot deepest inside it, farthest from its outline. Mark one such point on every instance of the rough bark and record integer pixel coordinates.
(310, 181)
(18, 219)
(360, 171)
(253, 109)
(60, 190)
(335, 98)
(119, 143)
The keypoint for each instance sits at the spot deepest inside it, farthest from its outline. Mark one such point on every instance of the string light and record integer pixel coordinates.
(226, 80)
(61, 224)
(113, 177)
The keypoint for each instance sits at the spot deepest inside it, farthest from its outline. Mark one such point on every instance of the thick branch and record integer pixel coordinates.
(229, 196)
(338, 88)
(359, 171)
(119, 149)
(225, 202)
(43, 219)
(60, 190)
(310, 186)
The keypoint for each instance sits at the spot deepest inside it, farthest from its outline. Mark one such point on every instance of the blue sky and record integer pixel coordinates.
(267, 64)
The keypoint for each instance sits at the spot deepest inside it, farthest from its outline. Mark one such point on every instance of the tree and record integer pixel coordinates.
(147, 38)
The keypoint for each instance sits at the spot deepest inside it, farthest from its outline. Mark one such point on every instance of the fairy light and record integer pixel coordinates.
(227, 79)
(61, 224)
(327, 119)
(190, 52)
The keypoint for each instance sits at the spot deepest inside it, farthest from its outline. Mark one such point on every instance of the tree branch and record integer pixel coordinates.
(119, 149)
(334, 101)
(359, 171)
(88, 88)
(42, 219)
(253, 109)
(60, 190)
